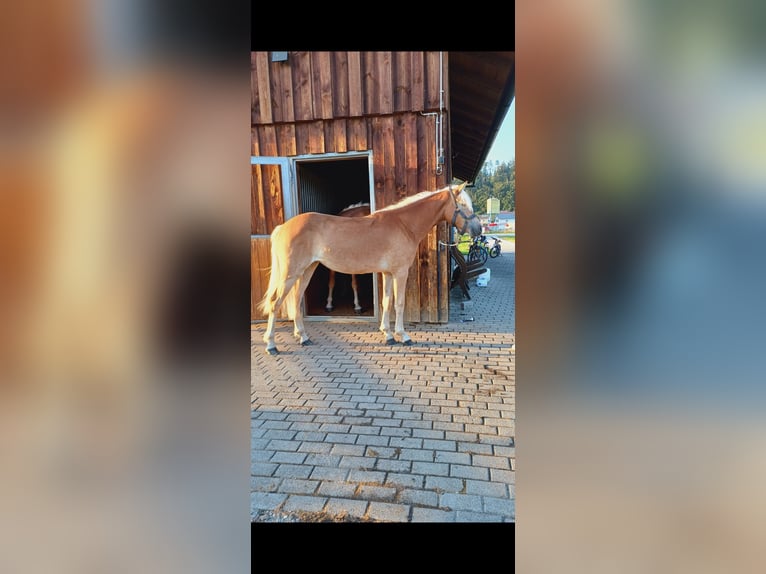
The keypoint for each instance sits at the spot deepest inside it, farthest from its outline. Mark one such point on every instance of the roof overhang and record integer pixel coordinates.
(481, 89)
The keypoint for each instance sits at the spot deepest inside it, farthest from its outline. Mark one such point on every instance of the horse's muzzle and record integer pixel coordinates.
(474, 227)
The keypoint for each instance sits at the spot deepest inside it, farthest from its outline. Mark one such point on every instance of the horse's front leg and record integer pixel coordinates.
(400, 287)
(385, 321)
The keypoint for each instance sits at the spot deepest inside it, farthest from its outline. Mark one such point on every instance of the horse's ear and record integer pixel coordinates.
(457, 191)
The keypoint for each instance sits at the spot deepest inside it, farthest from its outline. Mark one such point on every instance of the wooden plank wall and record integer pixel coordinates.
(312, 86)
(266, 212)
(335, 102)
(266, 202)
(260, 260)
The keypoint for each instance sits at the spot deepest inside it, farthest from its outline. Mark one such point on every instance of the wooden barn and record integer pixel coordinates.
(331, 129)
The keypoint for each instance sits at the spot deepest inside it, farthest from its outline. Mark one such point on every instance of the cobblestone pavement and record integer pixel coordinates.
(350, 429)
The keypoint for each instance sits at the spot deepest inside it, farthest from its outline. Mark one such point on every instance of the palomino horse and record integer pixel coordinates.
(356, 210)
(390, 237)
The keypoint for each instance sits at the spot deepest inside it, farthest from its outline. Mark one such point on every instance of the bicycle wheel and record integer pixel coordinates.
(495, 251)
(479, 254)
(474, 254)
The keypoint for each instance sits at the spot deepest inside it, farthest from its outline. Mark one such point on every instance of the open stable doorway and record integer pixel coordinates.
(329, 185)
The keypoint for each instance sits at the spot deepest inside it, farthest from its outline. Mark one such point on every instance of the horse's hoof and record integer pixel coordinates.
(273, 351)
(306, 343)
(391, 341)
(408, 342)
(358, 311)
(329, 309)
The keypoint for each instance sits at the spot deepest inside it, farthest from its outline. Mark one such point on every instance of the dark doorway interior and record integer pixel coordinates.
(329, 186)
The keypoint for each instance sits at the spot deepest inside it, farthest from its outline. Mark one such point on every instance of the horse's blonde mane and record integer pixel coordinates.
(422, 195)
(465, 198)
(411, 199)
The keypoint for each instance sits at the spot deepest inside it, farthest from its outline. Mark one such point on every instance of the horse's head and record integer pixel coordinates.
(464, 219)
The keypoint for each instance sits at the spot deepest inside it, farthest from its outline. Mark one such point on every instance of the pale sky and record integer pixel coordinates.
(504, 146)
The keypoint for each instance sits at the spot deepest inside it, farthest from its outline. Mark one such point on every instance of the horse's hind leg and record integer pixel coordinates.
(300, 287)
(354, 286)
(400, 286)
(268, 336)
(330, 286)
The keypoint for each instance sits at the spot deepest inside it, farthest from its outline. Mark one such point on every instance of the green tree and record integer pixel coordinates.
(496, 179)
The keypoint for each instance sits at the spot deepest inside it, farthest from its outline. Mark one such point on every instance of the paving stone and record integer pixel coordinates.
(367, 476)
(337, 489)
(373, 440)
(298, 486)
(281, 444)
(266, 500)
(367, 430)
(391, 465)
(305, 427)
(430, 468)
(494, 505)
(343, 438)
(264, 483)
(328, 473)
(428, 434)
(347, 449)
(382, 452)
(299, 503)
(310, 436)
(437, 444)
(288, 457)
(315, 447)
(444, 484)
(418, 497)
(457, 501)
(486, 488)
(280, 425)
(369, 492)
(432, 515)
(388, 512)
(404, 480)
(293, 471)
(416, 454)
(501, 462)
(475, 448)
(346, 507)
(411, 443)
(260, 455)
(262, 469)
(506, 476)
(452, 457)
(356, 462)
(279, 434)
(461, 471)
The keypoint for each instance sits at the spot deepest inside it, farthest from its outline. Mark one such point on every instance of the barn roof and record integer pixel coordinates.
(481, 88)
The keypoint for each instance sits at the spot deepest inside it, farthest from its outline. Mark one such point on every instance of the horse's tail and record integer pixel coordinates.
(276, 288)
(276, 281)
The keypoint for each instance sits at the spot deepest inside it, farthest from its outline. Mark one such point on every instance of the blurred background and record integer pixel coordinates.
(124, 286)
(641, 273)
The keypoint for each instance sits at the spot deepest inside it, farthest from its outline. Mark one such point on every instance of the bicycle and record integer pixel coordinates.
(478, 250)
(494, 251)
